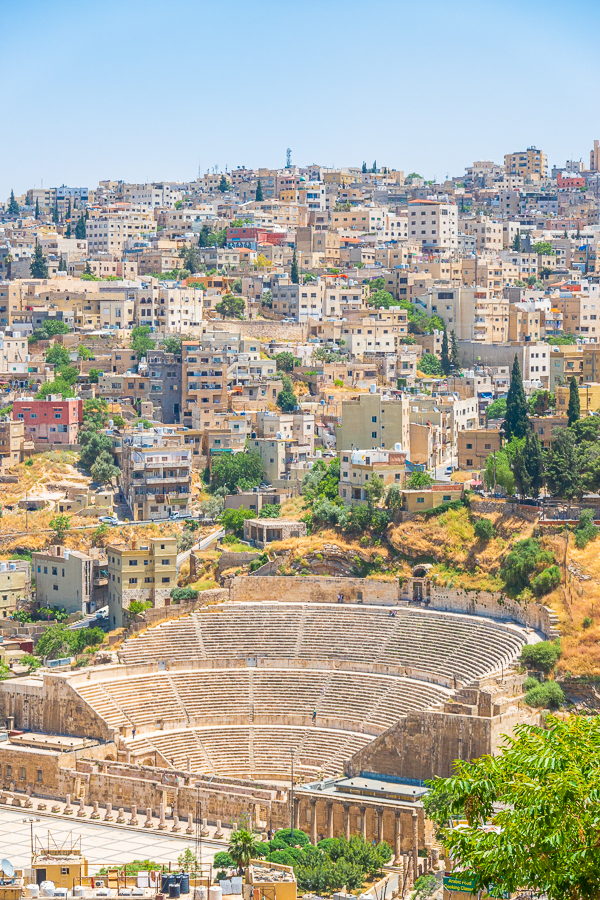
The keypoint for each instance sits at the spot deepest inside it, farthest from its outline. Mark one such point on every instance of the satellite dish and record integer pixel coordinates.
(7, 867)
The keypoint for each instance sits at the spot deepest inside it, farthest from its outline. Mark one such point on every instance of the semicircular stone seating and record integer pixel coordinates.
(243, 720)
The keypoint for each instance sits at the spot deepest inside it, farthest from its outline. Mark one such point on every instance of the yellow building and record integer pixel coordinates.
(531, 163)
(589, 398)
(145, 571)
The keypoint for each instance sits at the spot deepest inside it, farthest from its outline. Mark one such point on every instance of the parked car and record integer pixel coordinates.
(109, 520)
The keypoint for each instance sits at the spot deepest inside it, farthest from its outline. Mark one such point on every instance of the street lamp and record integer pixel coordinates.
(31, 821)
(292, 797)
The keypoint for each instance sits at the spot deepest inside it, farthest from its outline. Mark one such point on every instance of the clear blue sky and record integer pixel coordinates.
(144, 90)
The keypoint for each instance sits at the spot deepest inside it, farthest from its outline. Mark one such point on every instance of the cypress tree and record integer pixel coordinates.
(68, 233)
(37, 208)
(80, 229)
(55, 215)
(259, 192)
(534, 461)
(454, 350)
(446, 363)
(294, 273)
(88, 269)
(516, 422)
(364, 168)
(38, 267)
(574, 409)
(519, 470)
(13, 206)
(69, 210)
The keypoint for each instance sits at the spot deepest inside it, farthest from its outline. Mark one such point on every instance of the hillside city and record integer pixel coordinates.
(300, 477)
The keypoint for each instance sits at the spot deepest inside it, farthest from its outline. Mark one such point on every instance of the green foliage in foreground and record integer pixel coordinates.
(543, 793)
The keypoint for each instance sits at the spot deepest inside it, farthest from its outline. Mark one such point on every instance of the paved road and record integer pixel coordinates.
(201, 545)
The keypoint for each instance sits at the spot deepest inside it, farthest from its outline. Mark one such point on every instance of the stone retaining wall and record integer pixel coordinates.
(307, 589)
(496, 606)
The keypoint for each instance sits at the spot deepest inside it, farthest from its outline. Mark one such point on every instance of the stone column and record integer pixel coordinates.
(415, 838)
(134, 819)
(363, 818)
(379, 824)
(330, 818)
(161, 812)
(95, 811)
(346, 820)
(190, 825)
(435, 858)
(108, 815)
(313, 820)
(148, 822)
(397, 838)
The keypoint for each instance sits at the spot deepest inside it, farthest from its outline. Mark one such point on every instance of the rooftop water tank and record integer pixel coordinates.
(373, 388)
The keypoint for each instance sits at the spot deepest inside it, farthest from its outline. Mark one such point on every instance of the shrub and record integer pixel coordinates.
(338, 383)
(186, 593)
(530, 683)
(28, 462)
(545, 696)
(523, 562)
(484, 530)
(587, 622)
(270, 511)
(542, 656)
(233, 519)
(223, 860)
(546, 581)
(137, 606)
(585, 530)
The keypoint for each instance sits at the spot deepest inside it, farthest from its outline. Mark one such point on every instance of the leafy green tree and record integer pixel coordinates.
(236, 286)
(103, 469)
(60, 524)
(95, 413)
(172, 344)
(224, 185)
(543, 248)
(560, 339)
(141, 342)
(381, 298)
(233, 519)
(520, 473)
(232, 470)
(243, 847)
(564, 477)
(93, 444)
(524, 561)
(538, 793)
(418, 480)
(542, 657)
(574, 408)
(294, 274)
(80, 229)
(285, 361)
(322, 480)
(446, 362)
(516, 422)
(259, 192)
(58, 356)
(191, 259)
(286, 398)
(58, 386)
(231, 307)
(188, 862)
(38, 268)
(496, 409)
(374, 490)
(429, 364)
(541, 402)
(84, 353)
(546, 581)
(13, 206)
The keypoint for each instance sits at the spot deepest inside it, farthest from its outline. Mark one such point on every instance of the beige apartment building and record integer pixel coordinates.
(374, 421)
(474, 447)
(204, 382)
(531, 163)
(433, 225)
(359, 218)
(374, 332)
(472, 313)
(488, 234)
(13, 446)
(109, 234)
(357, 468)
(69, 579)
(580, 313)
(145, 571)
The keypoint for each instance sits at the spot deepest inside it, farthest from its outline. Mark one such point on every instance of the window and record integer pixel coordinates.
(420, 499)
(165, 562)
(133, 562)
(54, 587)
(54, 570)
(166, 581)
(373, 434)
(23, 774)
(133, 581)
(40, 776)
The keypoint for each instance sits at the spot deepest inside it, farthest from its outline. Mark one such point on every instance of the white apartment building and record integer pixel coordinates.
(395, 227)
(108, 235)
(432, 224)
(488, 235)
(152, 196)
(169, 309)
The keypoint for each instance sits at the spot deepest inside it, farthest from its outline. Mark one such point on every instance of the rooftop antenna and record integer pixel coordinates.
(288, 158)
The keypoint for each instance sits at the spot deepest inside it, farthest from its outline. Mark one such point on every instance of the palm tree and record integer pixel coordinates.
(242, 848)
